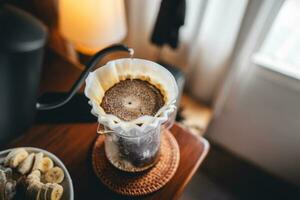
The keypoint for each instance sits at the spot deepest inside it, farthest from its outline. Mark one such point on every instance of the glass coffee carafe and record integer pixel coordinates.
(135, 150)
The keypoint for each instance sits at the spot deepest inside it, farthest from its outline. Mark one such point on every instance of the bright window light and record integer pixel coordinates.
(281, 49)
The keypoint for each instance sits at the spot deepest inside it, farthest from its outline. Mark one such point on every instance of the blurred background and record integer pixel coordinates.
(237, 63)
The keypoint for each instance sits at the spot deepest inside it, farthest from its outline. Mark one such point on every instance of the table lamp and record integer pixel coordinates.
(91, 25)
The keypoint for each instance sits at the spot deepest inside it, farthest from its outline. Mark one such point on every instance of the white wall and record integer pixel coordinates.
(260, 122)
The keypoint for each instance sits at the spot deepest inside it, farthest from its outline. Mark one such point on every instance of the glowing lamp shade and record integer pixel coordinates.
(91, 25)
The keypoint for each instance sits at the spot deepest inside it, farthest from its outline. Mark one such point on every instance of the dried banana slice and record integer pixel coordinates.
(11, 154)
(26, 165)
(37, 161)
(54, 191)
(34, 177)
(55, 175)
(46, 164)
(18, 158)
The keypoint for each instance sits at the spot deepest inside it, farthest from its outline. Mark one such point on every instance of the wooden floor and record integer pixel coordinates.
(223, 176)
(194, 115)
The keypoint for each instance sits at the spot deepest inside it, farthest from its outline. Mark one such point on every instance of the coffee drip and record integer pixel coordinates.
(134, 100)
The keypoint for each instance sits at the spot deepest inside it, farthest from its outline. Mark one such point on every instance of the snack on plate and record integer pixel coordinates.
(29, 176)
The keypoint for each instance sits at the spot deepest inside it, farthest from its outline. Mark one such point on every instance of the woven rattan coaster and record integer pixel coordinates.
(141, 183)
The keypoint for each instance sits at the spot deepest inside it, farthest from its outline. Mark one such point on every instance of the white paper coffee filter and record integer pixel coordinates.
(113, 72)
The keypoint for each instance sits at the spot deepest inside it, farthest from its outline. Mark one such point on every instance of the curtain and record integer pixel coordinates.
(256, 24)
(207, 40)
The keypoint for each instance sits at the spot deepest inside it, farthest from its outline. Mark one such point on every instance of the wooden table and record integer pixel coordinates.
(72, 143)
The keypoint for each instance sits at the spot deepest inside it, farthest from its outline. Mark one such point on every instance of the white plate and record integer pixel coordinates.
(67, 183)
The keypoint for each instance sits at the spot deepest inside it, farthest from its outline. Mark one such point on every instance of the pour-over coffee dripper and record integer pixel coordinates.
(132, 145)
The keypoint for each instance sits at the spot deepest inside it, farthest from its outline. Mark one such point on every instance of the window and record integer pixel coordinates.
(281, 49)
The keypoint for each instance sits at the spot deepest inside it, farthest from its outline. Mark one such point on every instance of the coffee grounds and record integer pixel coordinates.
(131, 99)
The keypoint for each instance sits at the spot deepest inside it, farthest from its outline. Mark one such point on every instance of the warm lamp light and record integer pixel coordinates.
(91, 25)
